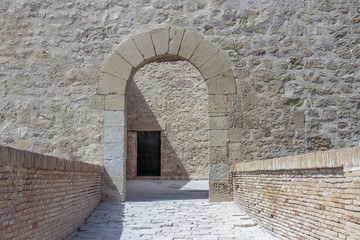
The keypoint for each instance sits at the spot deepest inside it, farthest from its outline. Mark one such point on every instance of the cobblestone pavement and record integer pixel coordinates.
(190, 216)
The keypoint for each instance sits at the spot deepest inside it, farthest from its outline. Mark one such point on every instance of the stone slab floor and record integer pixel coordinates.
(169, 210)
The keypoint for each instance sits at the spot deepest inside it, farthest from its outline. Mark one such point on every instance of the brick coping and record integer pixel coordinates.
(12, 157)
(345, 157)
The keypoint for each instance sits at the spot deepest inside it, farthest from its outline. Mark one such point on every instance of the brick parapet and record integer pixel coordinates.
(346, 157)
(44, 197)
(317, 198)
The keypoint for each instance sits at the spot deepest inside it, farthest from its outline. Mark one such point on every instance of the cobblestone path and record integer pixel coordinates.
(169, 218)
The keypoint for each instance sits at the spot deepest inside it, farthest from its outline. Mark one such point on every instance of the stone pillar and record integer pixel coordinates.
(220, 188)
(114, 179)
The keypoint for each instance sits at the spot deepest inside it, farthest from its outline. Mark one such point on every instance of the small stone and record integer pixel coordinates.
(343, 52)
(329, 114)
(71, 74)
(319, 143)
(296, 63)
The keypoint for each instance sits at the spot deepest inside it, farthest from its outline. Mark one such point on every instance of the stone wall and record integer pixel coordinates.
(312, 196)
(295, 64)
(44, 197)
(171, 98)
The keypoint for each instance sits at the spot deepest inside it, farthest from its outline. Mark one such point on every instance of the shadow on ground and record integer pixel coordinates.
(158, 190)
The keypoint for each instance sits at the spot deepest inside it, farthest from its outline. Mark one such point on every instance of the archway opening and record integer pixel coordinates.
(167, 113)
(159, 45)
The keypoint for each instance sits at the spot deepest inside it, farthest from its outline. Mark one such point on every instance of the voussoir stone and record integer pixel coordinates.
(110, 84)
(176, 36)
(189, 43)
(214, 66)
(204, 51)
(128, 50)
(117, 66)
(160, 37)
(222, 84)
(144, 44)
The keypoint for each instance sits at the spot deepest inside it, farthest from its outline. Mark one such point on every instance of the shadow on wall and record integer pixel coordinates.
(141, 118)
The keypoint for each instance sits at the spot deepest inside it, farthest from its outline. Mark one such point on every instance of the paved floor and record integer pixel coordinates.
(169, 210)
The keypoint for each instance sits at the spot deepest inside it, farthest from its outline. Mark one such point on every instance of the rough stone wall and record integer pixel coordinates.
(319, 200)
(44, 197)
(296, 66)
(171, 98)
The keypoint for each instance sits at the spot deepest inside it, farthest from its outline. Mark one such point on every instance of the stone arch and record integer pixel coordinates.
(159, 45)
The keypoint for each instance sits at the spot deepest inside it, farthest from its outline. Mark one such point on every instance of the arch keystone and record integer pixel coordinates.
(144, 44)
(130, 52)
(118, 67)
(160, 37)
(176, 36)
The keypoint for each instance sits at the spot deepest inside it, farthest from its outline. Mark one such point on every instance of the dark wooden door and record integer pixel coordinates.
(148, 153)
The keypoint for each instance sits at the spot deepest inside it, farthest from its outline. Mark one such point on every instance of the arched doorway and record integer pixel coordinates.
(159, 45)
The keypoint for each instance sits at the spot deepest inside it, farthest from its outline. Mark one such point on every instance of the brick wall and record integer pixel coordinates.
(312, 196)
(44, 197)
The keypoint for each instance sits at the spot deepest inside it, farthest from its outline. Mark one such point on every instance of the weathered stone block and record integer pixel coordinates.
(219, 172)
(115, 102)
(220, 191)
(114, 119)
(114, 135)
(216, 123)
(204, 51)
(218, 154)
(117, 66)
(114, 160)
(176, 36)
(217, 138)
(144, 44)
(24, 144)
(214, 66)
(222, 84)
(235, 151)
(97, 102)
(298, 118)
(128, 50)
(249, 102)
(110, 84)
(235, 135)
(189, 43)
(160, 37)
(219, 103)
